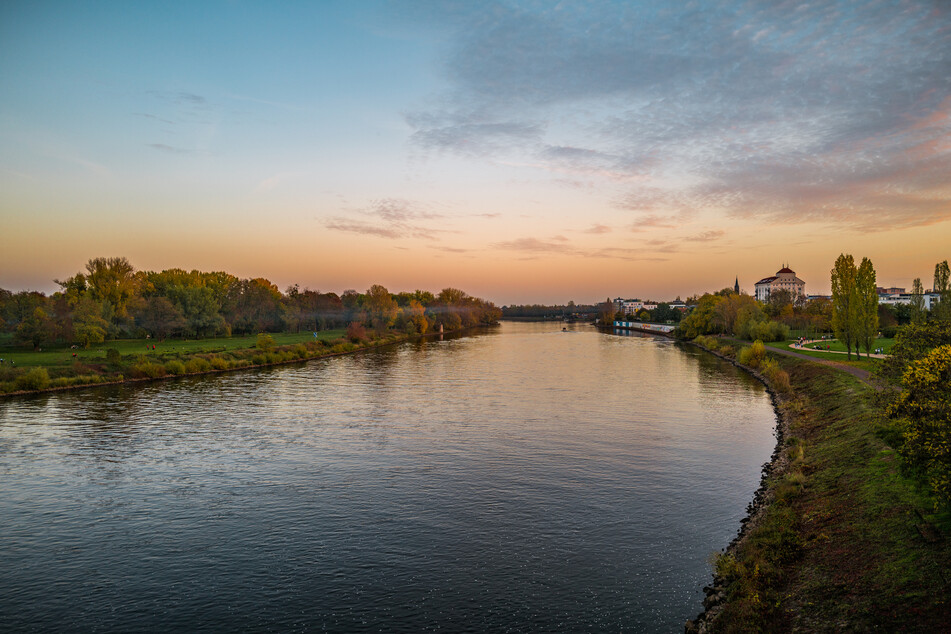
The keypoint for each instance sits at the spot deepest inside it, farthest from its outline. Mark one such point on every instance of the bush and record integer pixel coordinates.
(728, 351)
(175, 367)
(889, 332)
(752, 355)
(148, 370)
(710, 343)
(219, 364)
(113, 356)
(34, 379)
(356, 332)
(777, 377)
(265, 342)
(197, 365)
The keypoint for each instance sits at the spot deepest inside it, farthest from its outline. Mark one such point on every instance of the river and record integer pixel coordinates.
(517, 479)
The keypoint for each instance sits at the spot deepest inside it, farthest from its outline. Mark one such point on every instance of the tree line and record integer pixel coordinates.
(112, 300)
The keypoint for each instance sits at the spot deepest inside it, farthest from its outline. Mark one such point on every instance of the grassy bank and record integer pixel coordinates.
(141, 359)
(845, 540)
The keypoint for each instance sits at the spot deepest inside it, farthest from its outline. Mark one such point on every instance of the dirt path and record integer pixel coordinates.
(860, 374)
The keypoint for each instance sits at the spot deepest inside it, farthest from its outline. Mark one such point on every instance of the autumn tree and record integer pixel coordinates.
(381, 308)
(843, 296)
(865, 307)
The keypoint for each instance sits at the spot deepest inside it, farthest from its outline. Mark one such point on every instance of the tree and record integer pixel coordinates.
(36, 328)
(843, 295)
(702, 319)
(728, 311)
(89, 326)
(381, 307)
(159, 317)
(917, 302)
(924, 415)
(606, 312)
(942, 286)
(866, 307)
(111, 280)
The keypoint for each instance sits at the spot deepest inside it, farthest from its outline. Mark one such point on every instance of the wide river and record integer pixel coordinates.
(518, 479)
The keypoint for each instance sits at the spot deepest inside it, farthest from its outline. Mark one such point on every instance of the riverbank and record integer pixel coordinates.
(171, 361)
(836, 537)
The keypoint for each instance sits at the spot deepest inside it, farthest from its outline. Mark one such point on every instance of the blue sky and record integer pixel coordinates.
(524, 151)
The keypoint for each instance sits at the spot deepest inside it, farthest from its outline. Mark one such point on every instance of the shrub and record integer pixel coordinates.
(175, 367)
(265, 342)
(710, 343)
(219, 364)
(34, 379)
(728, 351)
(148, 370)
(356, 332)
(259, 359)
(113, 356)
(752, 355)
(197, 365)
(777, 377)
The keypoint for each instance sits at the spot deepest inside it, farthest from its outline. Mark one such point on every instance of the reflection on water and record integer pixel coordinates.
(524, 478)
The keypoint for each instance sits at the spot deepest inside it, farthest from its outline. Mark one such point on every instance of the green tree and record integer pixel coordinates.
(702, 319)
(942, 286)
(865, 307)
(843, 295)
(111, 280)
(917, 302)
(89, 326)
(924, 412)
(36, 328)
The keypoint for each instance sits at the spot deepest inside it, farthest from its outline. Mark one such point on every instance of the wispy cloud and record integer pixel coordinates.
(392, 218)
(170, 149)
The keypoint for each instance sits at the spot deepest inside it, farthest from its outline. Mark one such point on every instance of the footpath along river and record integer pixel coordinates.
(518, 479)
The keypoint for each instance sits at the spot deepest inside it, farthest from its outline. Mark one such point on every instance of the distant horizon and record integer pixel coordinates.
(523, 152)
(53, 287)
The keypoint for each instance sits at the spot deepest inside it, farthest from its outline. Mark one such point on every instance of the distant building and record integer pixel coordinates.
(894, 290)
(784, 280)
(631, 306)
(736, 285)
(893, 299)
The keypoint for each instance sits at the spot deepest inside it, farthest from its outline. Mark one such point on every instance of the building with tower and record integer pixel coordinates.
(784, 280)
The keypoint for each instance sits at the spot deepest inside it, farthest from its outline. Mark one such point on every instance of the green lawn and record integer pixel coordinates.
(62, 355)
(835, 344)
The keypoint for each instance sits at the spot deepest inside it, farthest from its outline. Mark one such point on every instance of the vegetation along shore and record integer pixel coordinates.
(849, 530)
(112, 323)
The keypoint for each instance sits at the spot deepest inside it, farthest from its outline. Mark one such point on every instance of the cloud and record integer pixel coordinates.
(392, 218)
(598, 229)
(706, 236)
(775, 112)
(170, 149)
(533, 245)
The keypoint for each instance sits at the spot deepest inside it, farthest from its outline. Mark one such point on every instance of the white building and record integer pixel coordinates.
(784, 280)
(906, 298)
(631, 306)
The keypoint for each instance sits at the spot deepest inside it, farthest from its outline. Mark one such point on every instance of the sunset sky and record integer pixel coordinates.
(522, 151)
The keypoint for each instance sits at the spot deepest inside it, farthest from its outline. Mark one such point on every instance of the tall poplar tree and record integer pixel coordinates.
(942, 286)
(843, 293)
(917, 302)
(866, 307)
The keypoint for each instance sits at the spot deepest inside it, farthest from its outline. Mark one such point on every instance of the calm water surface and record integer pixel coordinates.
(525, 479)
